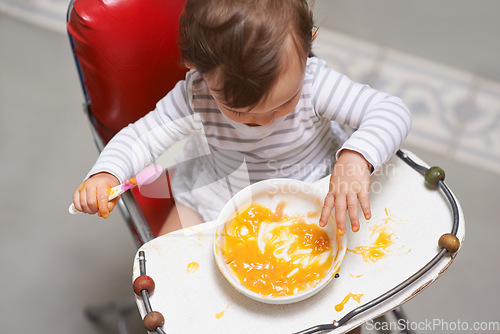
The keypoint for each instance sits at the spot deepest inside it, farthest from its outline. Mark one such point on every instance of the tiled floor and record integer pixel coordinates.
(53, 264)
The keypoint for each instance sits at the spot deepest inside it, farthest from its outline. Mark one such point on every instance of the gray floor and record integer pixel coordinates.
(53, 265)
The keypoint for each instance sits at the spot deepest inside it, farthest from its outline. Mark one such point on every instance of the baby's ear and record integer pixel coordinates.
(314, 35)
(189, 65)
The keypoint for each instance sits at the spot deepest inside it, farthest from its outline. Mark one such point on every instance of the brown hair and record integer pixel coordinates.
(244, 40)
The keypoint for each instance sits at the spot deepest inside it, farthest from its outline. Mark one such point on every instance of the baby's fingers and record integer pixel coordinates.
(102, 202)
(76, 198)
(89, 200)
(327, 210)
(352, 208)
(340, 209)
(82, 198)
(112, 203)
(365, 205)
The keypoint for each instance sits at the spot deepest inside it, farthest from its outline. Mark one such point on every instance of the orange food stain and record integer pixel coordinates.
(273, 254)
(112, 192)
(278, 213)
(312, 214)
(357, 297)
(221, 314)
(133, 181)
(375, 251)
(193, 267)
(380, 247)
(356, 276)
(82, 187)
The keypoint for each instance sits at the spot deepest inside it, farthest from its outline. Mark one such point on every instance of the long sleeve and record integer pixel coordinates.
(381, 121)
(139, 144)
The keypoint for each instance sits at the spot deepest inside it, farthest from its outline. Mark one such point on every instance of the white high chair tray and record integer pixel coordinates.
(200, 300)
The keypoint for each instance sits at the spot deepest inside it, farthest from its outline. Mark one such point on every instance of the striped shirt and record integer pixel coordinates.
(300, 145)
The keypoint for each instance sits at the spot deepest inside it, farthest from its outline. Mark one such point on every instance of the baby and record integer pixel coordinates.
(254, 106)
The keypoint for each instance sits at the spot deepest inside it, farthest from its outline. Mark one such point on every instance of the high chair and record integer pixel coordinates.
(127, 59)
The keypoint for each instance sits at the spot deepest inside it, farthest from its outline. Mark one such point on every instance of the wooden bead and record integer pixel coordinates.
(433, 175)
(449, 242)
(153, 320)
(144, 282)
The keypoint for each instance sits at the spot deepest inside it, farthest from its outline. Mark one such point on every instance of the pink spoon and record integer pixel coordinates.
(146, 176)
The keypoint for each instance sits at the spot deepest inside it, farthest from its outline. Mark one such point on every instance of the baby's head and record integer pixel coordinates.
(245, 44)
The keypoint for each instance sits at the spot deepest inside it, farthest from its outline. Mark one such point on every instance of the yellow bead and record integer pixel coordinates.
(450, 242)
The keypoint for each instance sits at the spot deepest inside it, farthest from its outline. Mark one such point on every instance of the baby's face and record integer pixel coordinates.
(281, 101)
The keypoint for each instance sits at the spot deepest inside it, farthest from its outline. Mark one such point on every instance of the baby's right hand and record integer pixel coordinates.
(91, 196)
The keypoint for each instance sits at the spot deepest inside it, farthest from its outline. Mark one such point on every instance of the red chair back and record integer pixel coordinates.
(128, 59)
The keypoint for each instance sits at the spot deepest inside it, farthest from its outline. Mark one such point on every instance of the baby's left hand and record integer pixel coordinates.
(349, 183)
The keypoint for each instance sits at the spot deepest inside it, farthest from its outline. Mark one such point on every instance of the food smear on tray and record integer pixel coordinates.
(357, 297)
(220, 314)
(382, 246)
(377, 250)
(192, 267)
(275, 254)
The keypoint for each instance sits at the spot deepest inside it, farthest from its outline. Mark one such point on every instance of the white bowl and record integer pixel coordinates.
(301, 198)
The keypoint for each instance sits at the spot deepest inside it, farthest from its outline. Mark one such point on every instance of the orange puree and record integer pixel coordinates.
(380, 247)
(83, 186)
(221, 314)
(193, 267)
(357, 297)
(377, 250)
(274, 254)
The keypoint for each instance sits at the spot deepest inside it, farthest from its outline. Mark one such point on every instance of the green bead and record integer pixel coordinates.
(433, 175)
